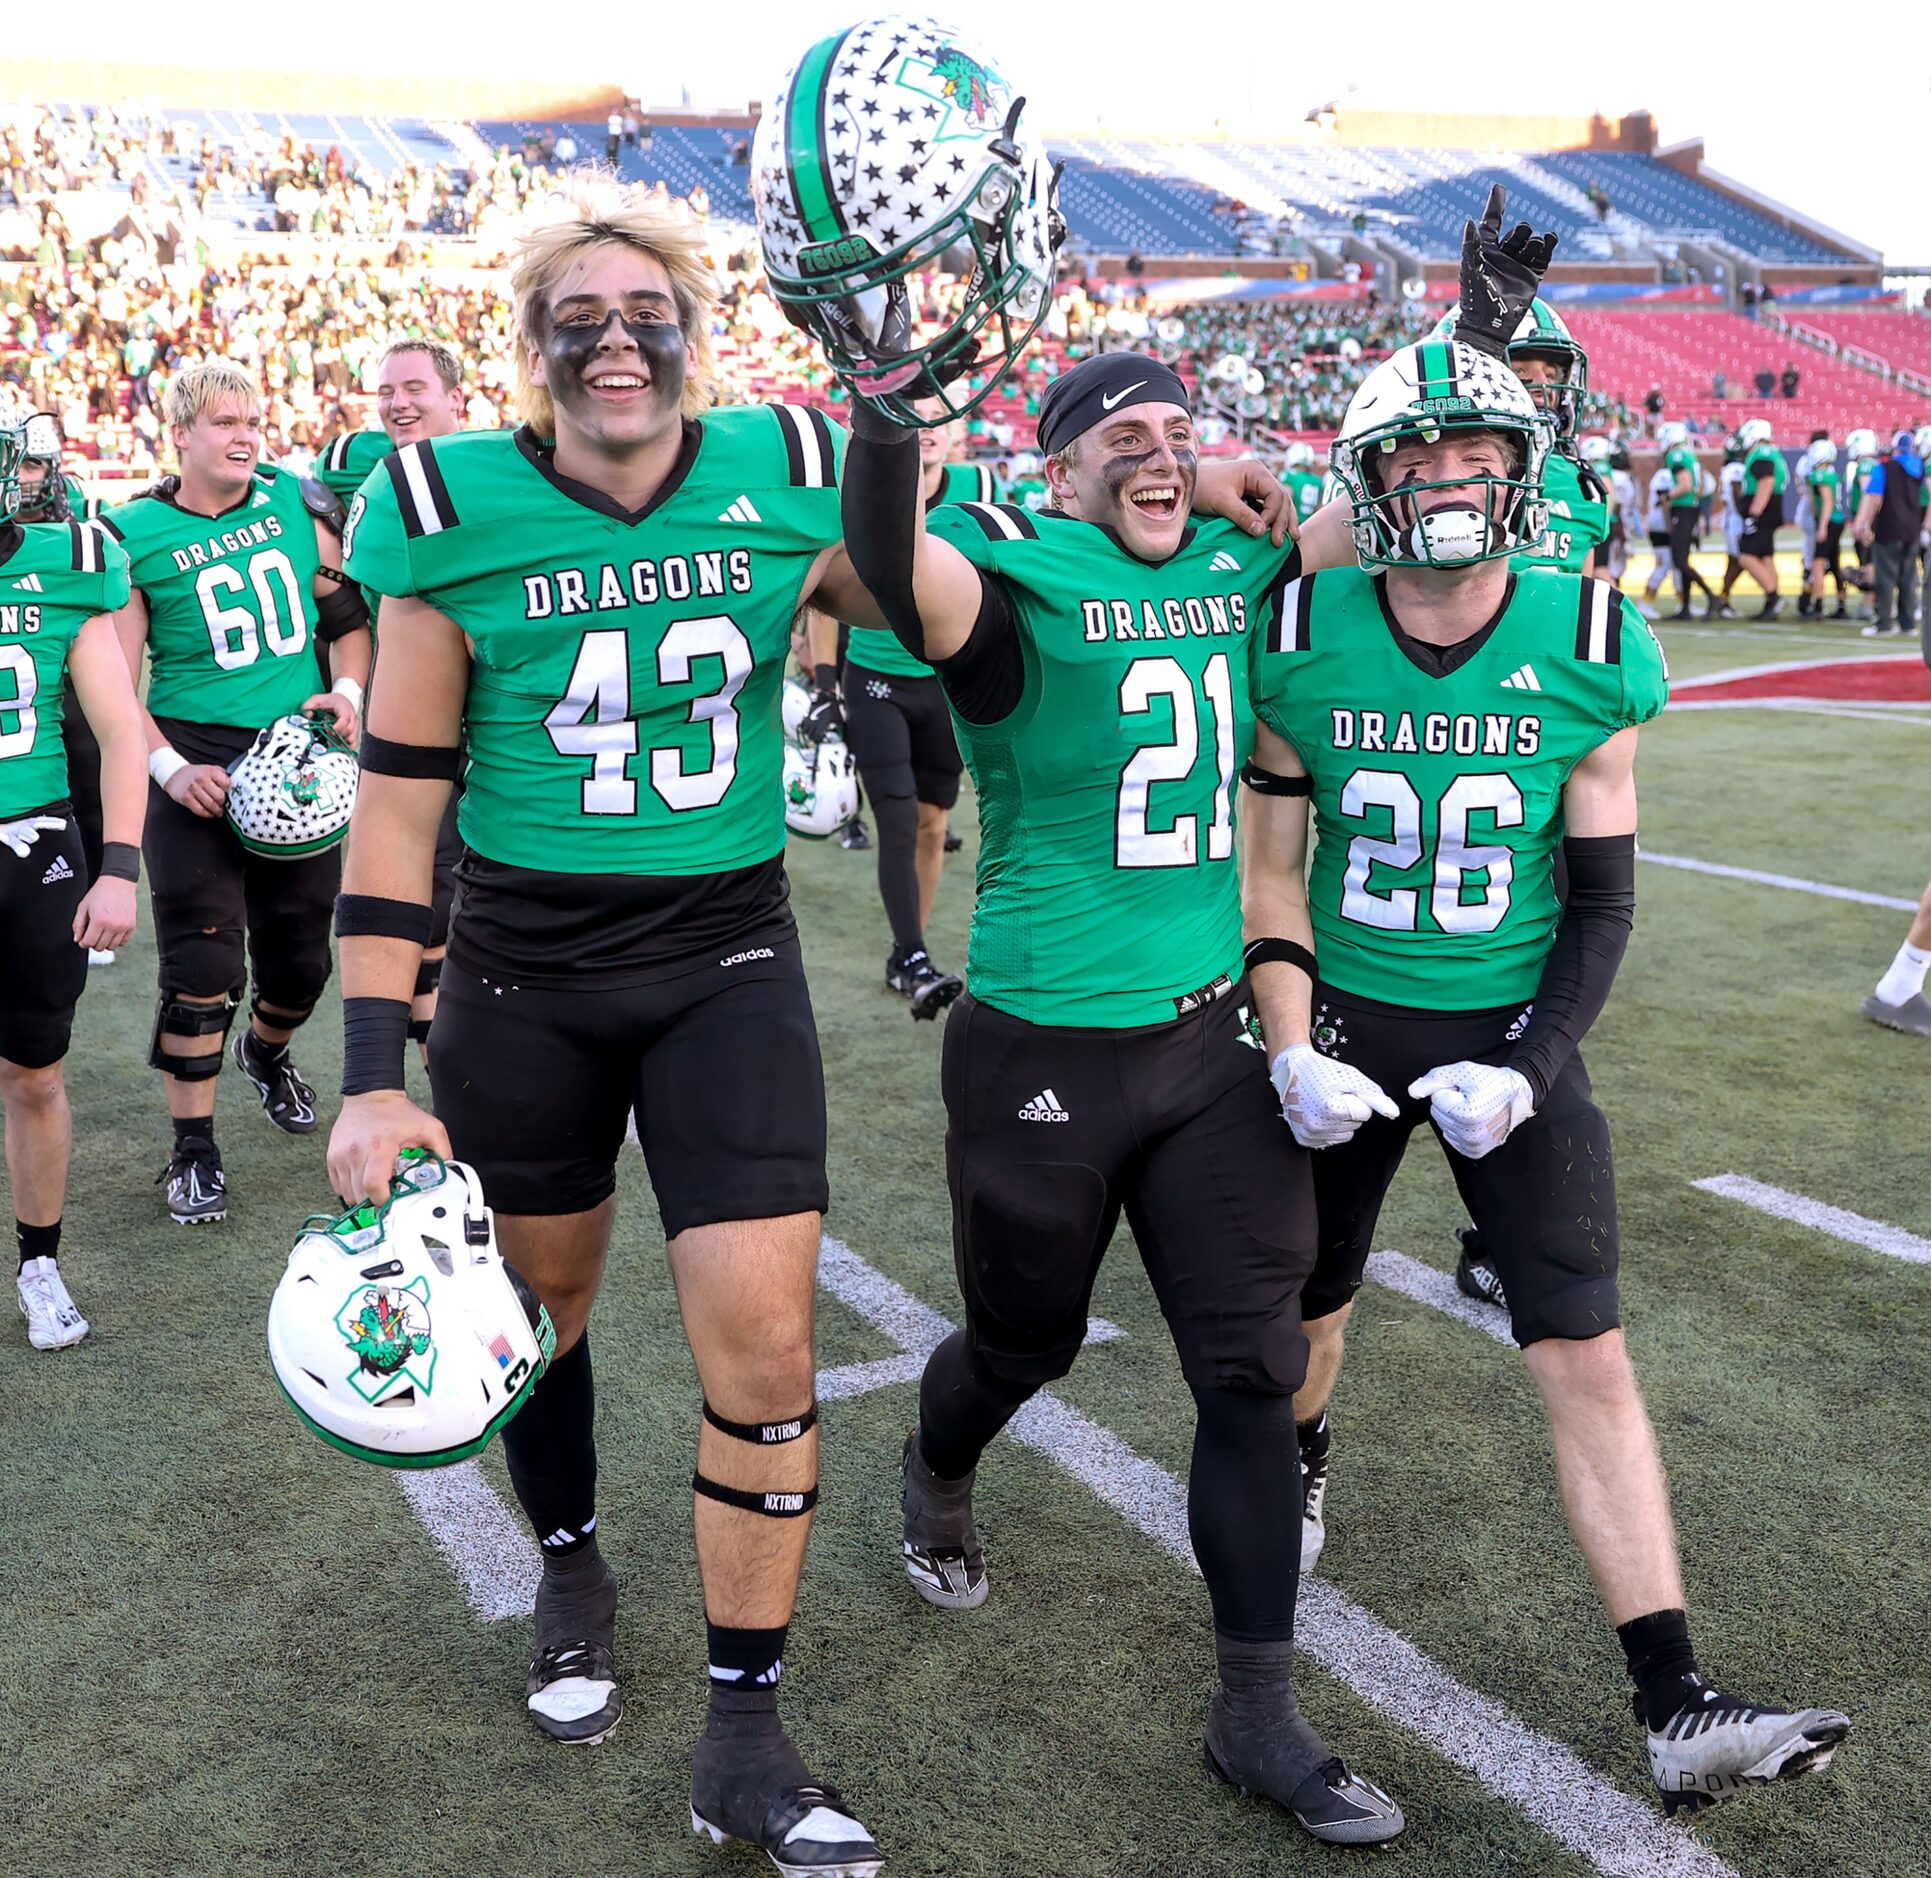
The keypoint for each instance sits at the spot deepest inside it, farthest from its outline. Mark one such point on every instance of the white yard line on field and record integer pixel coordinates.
(1621, 1836)
(1437, 1289)
(1703, 680)
(1791, 881)
(1915, 713)
(486, 1544)
(1893, 1241)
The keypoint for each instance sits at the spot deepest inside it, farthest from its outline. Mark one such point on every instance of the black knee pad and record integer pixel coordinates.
(292, 964)
(174, 1016)
(276, 1018)
(200, 964)
(1027, 1259)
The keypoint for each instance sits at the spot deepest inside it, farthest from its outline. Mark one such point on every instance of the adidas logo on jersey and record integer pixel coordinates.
(1223, 563)
(30, 585)
(1044, 1107)
(741, 511)
(59, 871)
(1523, 678)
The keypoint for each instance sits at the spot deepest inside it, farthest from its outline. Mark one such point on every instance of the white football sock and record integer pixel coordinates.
(1905, 979)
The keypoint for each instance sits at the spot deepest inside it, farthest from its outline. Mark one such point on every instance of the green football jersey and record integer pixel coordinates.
(1578, 522)
(1304, 486)
(880, 651)
(1684, 458)
(231, 611)
(345, 465)
(623, 708)
(1826, 497)
(54, 578)
(1857, 477)
(1764, 463)
(1107, 889)
(1438, 798)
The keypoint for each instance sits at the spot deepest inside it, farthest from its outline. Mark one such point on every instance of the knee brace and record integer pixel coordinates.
(792, 1504)
(174, 1016)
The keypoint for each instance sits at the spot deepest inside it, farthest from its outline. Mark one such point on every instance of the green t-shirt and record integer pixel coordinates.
(880, 651)
(54, 578)
(1679, 459)
(345, 465)
(623, 707)
(1438, 799)
(1107, 893)
(1304, 486)
(231, 612)
(1764, 463)
(1826, 495)
(1578, 520)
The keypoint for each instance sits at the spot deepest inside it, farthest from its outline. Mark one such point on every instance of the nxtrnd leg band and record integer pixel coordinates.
(771, 1505)
(764, 1434)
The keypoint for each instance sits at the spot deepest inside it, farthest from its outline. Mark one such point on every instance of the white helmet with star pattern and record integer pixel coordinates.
(906, 217)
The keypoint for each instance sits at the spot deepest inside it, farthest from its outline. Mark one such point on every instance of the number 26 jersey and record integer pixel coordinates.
(1438, 796)
(623, 705)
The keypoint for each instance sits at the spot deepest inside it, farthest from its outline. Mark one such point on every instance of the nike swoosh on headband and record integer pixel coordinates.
(1106, 403)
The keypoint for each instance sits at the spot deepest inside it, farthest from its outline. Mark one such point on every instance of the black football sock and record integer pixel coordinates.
(193, 1127)
(262, 1053)
(552, 1454)
(745, 1659)
(898, 869)
(36, 1242)
(962, 1405)
(1662, 1664)
(1244, 1511)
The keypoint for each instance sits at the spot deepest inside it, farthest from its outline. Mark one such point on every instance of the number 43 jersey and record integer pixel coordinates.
(1438, 797)
(623, 707)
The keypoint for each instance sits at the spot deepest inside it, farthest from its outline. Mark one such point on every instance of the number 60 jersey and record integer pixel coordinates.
(1438, 794)
(623, 708)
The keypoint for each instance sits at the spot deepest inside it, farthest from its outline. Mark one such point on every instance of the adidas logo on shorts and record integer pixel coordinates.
(59, 871)
(1044, 1107)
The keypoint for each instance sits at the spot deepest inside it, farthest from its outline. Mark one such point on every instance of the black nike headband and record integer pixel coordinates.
(1100, 387)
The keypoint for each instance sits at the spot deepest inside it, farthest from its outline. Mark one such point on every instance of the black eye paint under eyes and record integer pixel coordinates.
(659, 342)
(1118, 471)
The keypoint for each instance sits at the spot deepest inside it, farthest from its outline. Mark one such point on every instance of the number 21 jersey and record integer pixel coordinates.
(623, 706)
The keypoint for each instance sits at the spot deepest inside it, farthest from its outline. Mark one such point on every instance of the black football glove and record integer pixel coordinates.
(1500, 275)
(826, 718)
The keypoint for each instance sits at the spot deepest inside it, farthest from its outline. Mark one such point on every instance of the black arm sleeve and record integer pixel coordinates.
(1589, 944)
(986, 677)
(340, 611)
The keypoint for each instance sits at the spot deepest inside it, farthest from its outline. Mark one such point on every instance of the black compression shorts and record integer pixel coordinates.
(42, 970)
(1052, 1132)
(1759, 539)
(901, 736)
(1544, 1201)
(720, 1064)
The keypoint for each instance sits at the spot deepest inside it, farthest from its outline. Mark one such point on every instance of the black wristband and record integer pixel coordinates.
(375, 1035)
(368, 915)
(415, 762)
(1279, 952)
(120, 860)
(825, 677)
(1266, 782)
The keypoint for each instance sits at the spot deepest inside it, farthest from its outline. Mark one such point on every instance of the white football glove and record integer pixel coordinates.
(1325, 1101)
(20, 836)
(1477, 1106)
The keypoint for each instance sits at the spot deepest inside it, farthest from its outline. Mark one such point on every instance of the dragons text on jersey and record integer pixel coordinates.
(623, 706)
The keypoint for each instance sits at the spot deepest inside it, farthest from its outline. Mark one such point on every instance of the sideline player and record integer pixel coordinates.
(625, 939)
(1453, 979)
(65, 580)
(1656, 523)
(1827, 512)
(236, 571)
(1683, 510)
(1303, 479)
(1760, 495)
(418, 393)
(901, 738)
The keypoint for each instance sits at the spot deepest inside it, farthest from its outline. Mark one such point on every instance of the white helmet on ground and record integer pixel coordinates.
(291, 792)
(820, 788)
(1420, 394)
(397, 1332)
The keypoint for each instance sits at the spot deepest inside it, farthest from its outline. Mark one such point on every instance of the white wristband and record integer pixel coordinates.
(165, 764)
(349, 689)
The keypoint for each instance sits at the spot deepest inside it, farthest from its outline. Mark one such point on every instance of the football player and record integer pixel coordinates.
(1730, 499)
(604, 599)
(895, 719)
(1826, 491)
(1899, 1002)
(419, 393)
(1656, 522)
(1765, 478)
(1304, 479)
(1454, 984)
(1860, 459)
(64, 581)
(236, 572)
(1683, 509)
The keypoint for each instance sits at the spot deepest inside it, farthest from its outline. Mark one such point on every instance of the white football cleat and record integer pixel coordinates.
(54, 1321)
(1717, 1747)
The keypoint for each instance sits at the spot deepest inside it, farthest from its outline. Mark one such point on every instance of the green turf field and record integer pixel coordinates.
(232, 1650)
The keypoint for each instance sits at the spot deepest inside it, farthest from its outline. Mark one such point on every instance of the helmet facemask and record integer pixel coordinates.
(1496, 516)
(1561, 402)
(13, 459)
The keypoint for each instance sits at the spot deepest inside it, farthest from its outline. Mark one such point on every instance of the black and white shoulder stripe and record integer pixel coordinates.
(1599, 623)
(982, 475)
(89, 551)
(1001, 521)
(421, 493)
(1289, 628)
(807, 446)
(337, 458)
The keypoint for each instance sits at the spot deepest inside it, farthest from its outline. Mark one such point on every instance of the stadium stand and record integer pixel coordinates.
(1899, 340)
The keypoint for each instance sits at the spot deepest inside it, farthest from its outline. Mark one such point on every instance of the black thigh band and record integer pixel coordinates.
(771, 1505)
(764, 1434)
(416, 762)
(372, 916)
(1265, 782)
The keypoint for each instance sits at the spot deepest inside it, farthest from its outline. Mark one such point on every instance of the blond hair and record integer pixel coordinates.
(591, 209)
(449, 368)
(196, 389)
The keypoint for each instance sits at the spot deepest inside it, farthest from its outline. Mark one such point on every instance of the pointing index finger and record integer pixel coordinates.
(1492, 215)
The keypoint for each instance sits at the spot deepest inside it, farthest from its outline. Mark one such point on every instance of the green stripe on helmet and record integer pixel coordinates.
(1437, 369)
(805, 143)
